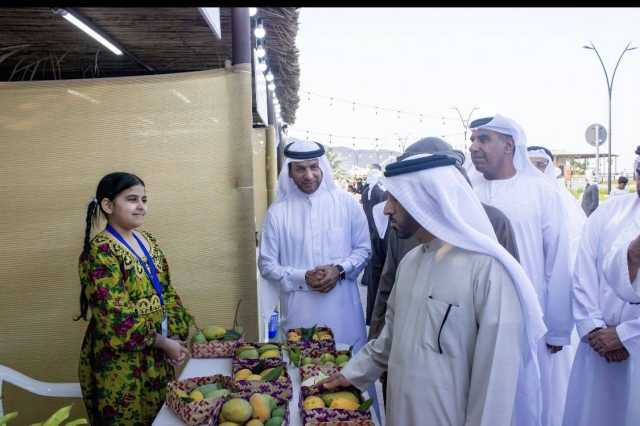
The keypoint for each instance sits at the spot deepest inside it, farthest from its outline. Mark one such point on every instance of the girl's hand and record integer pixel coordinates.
(176, 351)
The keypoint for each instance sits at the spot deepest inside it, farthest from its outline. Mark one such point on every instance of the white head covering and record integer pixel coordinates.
(444, 204)
(373, 179)
(550, 171)
(303, 150)
(380, 219)
(506, 126)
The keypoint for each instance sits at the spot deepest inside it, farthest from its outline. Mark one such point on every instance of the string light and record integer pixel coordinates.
(271, 87)
(253, 11)
(376, 108)
(259, 31)
(269, 77)
(262, 66)
(261, 52)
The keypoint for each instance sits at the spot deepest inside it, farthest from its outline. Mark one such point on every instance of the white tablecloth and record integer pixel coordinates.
(209, 366)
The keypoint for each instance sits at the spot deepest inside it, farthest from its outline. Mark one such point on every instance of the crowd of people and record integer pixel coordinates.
(493, 299)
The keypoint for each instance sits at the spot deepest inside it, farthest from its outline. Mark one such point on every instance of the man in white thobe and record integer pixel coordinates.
(605, 382)
(560, 364)
(315, 241)
(463, 320)
(503, 177)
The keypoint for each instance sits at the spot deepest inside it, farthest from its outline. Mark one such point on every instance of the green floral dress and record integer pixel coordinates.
(122, 375)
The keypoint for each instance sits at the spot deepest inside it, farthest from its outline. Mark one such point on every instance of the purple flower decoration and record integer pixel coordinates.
(106, 355)
(101, 293)
(122, 328)
(104, 248)
(98, 272)
(109, 411)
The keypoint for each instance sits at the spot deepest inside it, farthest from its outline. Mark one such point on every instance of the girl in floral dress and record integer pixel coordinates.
(138, 323)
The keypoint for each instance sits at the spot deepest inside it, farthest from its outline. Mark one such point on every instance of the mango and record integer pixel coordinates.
(213, 332)
(272, 353)
(274, 421)
(344, 404)
(267, 347)
(254, 422)
(307, 360)
(199, 337)
(327, 357)
(208, 388)
(180, 394)
(261, 408)
(242, 374)
(243, 348)
(196, 395)
(278, 412)
(329, 397)
(237, 410)
(342, 358)
(254, 377)
(326, 337)
(217, 394)
(228, 424)
(292, 336)
(312, 402)
(249, 354)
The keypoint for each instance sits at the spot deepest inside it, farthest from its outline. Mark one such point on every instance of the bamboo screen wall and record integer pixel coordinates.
(188, 136)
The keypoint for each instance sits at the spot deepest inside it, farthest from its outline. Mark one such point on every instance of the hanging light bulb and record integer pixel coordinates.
(262, 66)
(269, 77)
(276, 101)
(259, 31)
(253, 11)
(271, 87)
(260, 52)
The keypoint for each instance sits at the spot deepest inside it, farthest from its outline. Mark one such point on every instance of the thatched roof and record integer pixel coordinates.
(36, 44)
(281, 24)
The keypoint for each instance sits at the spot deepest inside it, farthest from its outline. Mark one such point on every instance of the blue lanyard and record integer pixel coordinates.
(149, 267)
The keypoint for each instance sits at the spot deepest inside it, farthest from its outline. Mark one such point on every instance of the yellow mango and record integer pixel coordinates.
(254, 422)
(271, 353)
(261, 407)
(344, 404)
(196, 395)
(312, 402)
(243, 374)
(254, 377)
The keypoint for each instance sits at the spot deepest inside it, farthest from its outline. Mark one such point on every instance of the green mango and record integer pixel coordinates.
(231, 335)
(213, 332)
(326, 358)
(199, 337)
(217, 394)
(268, 347)
(342, 358)
(307, 360)
(249, 354)
(278, 412)
(208, 388)
(274, 421)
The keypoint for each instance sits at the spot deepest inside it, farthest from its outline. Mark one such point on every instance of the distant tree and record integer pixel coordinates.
(336, 164)
(577, 167)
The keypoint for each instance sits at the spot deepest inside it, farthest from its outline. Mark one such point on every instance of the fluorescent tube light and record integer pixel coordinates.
(90, 31)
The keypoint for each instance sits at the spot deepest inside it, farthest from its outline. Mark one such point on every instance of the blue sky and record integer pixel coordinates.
(525, 63)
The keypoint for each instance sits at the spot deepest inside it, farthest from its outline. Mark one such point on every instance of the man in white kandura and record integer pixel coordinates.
(605, 379)
(463, 320)
(560, 366)
(503, 177)
(315, 241)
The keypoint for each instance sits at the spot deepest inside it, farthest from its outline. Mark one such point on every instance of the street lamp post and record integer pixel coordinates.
(465, 124)
(610, 92)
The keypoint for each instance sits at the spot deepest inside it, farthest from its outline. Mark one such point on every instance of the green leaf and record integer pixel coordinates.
(307, 333)
(366, 404)
(77, 422)
(8, 417)
(294, 356)
(273, 374)
(230, 335)
(58, 417)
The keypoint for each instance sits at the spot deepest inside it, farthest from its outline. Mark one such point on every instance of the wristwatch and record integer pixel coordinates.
(340, 269)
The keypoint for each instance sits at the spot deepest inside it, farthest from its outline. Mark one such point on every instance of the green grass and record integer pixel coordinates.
(602, 187)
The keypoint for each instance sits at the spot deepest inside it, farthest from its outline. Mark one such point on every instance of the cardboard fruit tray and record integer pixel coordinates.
(307, 347)
(332, 416)
(215, 348)
(281, 388)
(215, 419)
(196, 413)
(251, 364)
(311, 370)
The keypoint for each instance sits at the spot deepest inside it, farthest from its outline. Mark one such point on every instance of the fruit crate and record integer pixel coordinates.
(215, 349)
(318, 357)
(307, 347)
(332, 416)
(195, 413)
(312, 370)
(215, 419)
(252, 363)
(280, 388)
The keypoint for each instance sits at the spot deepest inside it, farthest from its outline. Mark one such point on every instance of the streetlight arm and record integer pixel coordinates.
(618, 63)
(606, 74)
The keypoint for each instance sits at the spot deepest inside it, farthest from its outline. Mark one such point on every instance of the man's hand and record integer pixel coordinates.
(605, 340)
(617, 356)
(330, 279)
(335, 381)
(313, 277)
(553, 349)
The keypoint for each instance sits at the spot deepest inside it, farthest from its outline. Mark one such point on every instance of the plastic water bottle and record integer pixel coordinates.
(273, 325)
